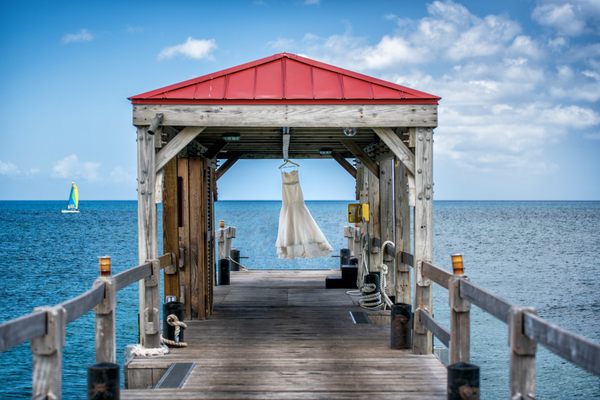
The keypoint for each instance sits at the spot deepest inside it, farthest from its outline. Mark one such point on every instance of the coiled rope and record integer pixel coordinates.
(178, 325)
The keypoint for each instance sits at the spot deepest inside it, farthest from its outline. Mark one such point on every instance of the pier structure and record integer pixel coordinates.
(282, 334)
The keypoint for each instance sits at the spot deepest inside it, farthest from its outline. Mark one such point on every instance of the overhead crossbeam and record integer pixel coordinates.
(175, 145)
(400, 150)
(344, 163)
(285, 145)
(215, 149)
(226, 165)
(359, 153)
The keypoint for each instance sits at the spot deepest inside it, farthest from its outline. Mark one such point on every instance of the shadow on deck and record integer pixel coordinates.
(282, 335)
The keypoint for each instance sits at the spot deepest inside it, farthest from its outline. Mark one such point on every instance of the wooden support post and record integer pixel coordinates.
(522, 357)
(423, 228)
(460, 323)
(183, 175)
(361, 187)
(170, 215)
(395, 144)
(106, 343)
(197, 236)
(175, 145)
(152, 311)
(374, 225)
(349, 235)
(344, 163)
(47, 355)
(386, 213)
(210, 237)
(147, 241)
(402, 231)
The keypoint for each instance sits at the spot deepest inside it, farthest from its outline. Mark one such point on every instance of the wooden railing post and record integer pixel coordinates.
(460, 321)
(151, 311)
(522, 357)
(47, 355)
(105, 315)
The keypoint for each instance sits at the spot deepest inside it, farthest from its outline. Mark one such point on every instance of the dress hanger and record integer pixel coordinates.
(289, 164)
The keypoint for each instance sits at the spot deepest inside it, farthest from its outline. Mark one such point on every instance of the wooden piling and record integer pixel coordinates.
(170, 227)
(402, 232)
(152, 310)
(386, 214)
(184, 235)
(47, 355)
(522, 356)
(374, 224)
(460, 323)
(106, 349)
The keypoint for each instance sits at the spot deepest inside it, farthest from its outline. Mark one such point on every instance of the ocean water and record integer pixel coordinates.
(541, 254)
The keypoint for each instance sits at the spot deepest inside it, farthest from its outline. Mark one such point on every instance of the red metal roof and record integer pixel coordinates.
(285, 79)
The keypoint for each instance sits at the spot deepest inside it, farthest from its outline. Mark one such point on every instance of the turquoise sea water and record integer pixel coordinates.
(541, 254)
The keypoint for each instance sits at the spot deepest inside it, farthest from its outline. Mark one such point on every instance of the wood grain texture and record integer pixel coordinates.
(226, 165)
(402, 233)
(321, 116)
(170, 216)
(197, 252)
(395, 144)
(106, 342)
(374, 224)
(386, 215)
(344, 163)
(522, 357)
(359, 153)
(460, 323)
(184, 236)
(175, 145)
(47, 353)
(152, 322)
(280, 335)
(423, 233)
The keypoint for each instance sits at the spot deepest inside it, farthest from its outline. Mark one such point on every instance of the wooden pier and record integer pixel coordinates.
(282, 335)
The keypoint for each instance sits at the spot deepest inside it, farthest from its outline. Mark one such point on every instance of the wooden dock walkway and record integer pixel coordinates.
(282, 335)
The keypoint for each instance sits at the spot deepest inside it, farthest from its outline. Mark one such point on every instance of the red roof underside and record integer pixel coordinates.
(285, 79)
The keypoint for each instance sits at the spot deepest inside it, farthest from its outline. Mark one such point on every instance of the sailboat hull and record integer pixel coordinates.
(69, 211)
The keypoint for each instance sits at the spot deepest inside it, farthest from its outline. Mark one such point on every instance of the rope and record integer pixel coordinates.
(179, 325)
(242, 267)
(141, 351)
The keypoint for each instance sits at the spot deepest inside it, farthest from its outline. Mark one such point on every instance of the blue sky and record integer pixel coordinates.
(520, 81)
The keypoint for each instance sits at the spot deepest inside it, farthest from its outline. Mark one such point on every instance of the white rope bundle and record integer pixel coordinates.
(141, 351)
(175, 322)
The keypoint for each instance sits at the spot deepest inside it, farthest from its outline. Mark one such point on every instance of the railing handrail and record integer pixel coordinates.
(574, 348)
(33, 325)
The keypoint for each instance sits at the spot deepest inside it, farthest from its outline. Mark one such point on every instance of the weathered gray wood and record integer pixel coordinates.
(385, 115)
(359, 153)
(80, 305)
(47, 355)
(175, 145)
(147, 240)
(423, 232)
(433, 326)
(226, 165)
(573, 348)
(155, 124)
(402, 153)
(170, 225)
(185, 287)
(522, 357)
(408, 259)
(106, 342)
(374, 224)
(489, 302)
(151, 313)
(460, 323)
(402, 233)
(436, 274)
(132, 275)
(387, 223)
(344, 163)
(21, 329)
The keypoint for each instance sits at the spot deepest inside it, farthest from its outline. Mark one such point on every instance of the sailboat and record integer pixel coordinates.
(73, 206)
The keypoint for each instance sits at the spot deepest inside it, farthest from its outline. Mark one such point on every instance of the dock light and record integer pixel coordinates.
(231, 137)
(325, 151)
(105, 266)
(349, 131)
(457, 264)
(222, 224)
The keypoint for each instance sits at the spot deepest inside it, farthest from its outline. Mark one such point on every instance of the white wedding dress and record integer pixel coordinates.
(298, 236)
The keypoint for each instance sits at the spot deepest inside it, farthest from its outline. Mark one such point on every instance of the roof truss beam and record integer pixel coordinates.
(400, 150)
(363, 157)
(175, 145)
(344, 163)
(226, 165)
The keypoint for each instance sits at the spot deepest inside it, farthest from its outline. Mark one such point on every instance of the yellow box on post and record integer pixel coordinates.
(358, 213)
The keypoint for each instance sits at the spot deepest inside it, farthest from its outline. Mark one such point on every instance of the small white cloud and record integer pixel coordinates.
(82, 36)
(196, 49)
(8, 169)
(566, 18)
(71, 168)
(281, 44)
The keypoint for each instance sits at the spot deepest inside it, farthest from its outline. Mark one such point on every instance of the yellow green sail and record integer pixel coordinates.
(73, 198)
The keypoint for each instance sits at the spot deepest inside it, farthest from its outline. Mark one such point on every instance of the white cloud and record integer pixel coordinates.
(282, 44)
(82, 36)
(566, 18)
(192, 48)
(71, 167)
(8, 168)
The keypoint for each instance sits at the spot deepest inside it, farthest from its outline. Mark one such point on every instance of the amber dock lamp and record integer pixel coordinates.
(105, 266)
(457, 264)
(222, 224)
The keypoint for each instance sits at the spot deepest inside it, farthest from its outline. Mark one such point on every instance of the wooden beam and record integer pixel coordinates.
(402, 231)
(175, 145)
(155, 124)
(335, 116)
(344, 163)
(403, 153)
(214, 150)
(359, 153)
(170, 216)
(423, 233)
(386, 214)
(226, 165)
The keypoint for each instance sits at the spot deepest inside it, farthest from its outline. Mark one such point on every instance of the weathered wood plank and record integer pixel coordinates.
(47, 355)
(183, 174)
(487, 301)
(522, 357)
(170, 217)
(436, 274)
(386, 216)
(131, 275)
(402, 233)
(22, 329)
(423, 232)
(151, 315)
(337, 116)
(106, 341)
(374, 224)
(460, 323)
(344, 163)
(434, 327)
(175, 145)
(400, 150)
(196, 233)
(226, 165)
(80, 305)
(359, 153)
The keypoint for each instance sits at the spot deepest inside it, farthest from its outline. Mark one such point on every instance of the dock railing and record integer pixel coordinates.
(525, 329)
(45, 327)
